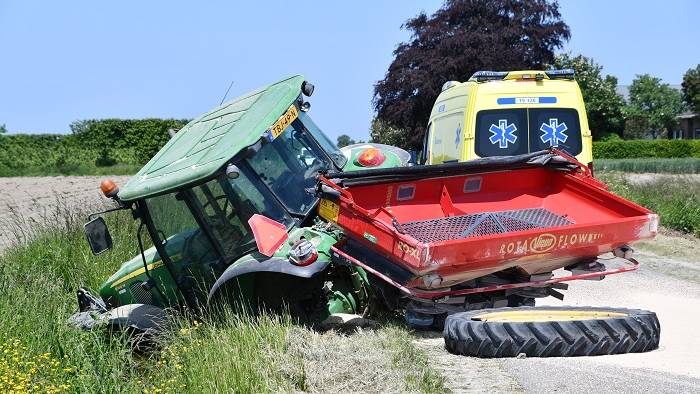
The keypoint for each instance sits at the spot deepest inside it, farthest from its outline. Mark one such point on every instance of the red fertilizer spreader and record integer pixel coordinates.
(487, 225)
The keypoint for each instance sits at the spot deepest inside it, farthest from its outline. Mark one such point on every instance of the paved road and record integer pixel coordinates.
(668, 286)
(673, 368)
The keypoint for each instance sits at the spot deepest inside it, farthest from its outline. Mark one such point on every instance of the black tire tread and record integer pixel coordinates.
(637, 332)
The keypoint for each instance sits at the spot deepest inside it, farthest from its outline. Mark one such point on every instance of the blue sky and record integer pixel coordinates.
(72, 60)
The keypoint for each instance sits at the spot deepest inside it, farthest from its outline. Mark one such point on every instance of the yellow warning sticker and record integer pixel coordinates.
(328, 210)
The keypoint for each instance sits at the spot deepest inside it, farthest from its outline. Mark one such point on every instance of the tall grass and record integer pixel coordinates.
(687, 165)
(675, 198)
(38, 279)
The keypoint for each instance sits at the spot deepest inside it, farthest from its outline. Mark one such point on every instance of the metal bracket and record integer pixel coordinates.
(424, 294)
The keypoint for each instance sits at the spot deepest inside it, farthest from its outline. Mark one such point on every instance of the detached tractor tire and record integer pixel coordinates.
(551, 332)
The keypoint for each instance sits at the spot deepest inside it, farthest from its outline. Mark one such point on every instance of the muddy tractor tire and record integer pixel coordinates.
(551, 332)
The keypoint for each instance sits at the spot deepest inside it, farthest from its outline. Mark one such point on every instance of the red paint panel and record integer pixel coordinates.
(269, 234)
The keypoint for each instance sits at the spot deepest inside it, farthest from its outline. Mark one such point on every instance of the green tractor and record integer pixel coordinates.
(229, 205)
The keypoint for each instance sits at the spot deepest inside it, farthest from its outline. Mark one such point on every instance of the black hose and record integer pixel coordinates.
(539, 159)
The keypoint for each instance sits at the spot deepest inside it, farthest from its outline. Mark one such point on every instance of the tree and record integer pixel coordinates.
(653, 107)
(3, 129)
(691, 88)
(460, 38)
(381, 132)
(604, 106)
(344, 140)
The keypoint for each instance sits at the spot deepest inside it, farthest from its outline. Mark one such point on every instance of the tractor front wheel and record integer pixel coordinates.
(551, 332)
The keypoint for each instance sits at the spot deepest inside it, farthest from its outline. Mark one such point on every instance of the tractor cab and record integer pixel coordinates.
(199, 198)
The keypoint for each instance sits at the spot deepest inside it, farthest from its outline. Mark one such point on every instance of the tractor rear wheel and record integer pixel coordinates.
(551, 332)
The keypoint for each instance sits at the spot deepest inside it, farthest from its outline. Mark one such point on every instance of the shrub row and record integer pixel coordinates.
(93, 143)
(142, 137)
(619, 149)
(22, 151)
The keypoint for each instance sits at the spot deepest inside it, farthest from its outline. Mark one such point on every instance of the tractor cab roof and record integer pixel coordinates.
(208, 142)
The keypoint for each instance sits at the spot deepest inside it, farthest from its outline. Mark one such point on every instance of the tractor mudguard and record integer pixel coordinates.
(274, 264)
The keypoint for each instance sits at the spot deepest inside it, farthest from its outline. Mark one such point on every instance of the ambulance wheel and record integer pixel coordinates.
(551, 332)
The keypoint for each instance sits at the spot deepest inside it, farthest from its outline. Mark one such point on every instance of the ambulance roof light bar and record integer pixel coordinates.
(481, 76)
(567, 73)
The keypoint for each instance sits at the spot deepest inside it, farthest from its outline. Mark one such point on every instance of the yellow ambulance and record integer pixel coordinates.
(508, 113)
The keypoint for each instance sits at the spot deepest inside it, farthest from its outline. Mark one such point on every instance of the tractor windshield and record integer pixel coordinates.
(289, 164)
(335, 154)
(208, 223)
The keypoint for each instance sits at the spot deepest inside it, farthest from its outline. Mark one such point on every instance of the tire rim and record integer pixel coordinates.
(547, 315)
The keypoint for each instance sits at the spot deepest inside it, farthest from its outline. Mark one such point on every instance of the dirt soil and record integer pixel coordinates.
(28, 200)
(643, 178)
(668, 283)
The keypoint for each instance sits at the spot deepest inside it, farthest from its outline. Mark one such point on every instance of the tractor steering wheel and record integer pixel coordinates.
(311, 172)
(228, 209)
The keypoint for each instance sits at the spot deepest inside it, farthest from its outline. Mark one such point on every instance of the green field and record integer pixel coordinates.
(685, 165)
(39, 351)
(674, 197)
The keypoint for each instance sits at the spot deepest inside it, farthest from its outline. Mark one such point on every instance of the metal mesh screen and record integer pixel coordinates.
(480, 224)
(140, 294)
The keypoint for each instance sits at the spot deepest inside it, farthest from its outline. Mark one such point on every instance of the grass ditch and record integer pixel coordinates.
(675, 198)
(686, 165)
(39, 352)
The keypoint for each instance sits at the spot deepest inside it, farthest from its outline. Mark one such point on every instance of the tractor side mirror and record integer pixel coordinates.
(98, 236)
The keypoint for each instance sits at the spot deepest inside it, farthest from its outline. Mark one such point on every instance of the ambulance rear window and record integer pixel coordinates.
(514, 131)
(555, 127)
(501, 132)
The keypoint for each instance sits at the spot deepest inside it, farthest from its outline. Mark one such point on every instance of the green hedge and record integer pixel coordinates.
(617, 149)
(142, 137)
(93, 143)
(22, 151)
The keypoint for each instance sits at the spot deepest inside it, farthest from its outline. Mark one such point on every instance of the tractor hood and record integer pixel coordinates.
(205, 144)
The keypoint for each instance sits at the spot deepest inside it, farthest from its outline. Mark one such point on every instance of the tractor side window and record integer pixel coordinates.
(227, 204)
(254, 197)
(501, 132)
(180, 233)
(223, 217)
(223, 207)
(555, 127)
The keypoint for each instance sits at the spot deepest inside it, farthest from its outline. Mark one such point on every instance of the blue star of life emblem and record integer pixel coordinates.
(503, 133)
(553, 132)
